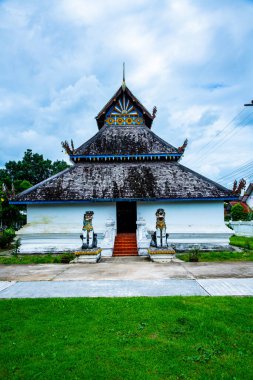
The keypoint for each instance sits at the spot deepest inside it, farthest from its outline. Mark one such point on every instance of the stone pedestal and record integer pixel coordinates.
(161, 255)
(87, 256)
(143, 240)
(108, 242)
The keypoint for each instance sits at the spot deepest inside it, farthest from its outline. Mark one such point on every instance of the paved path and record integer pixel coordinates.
(125, 269)
(127, 288)
(126, 277)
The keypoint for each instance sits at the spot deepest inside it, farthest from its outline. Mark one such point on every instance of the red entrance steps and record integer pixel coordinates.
(125, 245)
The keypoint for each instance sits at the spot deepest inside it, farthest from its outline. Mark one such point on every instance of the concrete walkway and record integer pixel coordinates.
(126, 277)
(127, 288)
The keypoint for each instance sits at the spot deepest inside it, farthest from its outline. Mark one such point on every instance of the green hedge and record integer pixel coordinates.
(6, 238)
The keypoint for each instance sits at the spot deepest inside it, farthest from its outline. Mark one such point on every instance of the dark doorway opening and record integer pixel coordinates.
(126, 216)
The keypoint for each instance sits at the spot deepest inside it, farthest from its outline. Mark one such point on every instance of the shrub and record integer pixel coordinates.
(7, 237)
(250, 216)
(194, 255)
(238, 213)
(67, 257)
(16, 247)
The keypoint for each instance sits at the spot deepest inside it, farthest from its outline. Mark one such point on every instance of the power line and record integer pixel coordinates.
(219, 132)
(238, 169)
(231, 181)
(229, 135)
(244, 122)
(226, 126)
(224, 139)
(247, 174)
(243, 169)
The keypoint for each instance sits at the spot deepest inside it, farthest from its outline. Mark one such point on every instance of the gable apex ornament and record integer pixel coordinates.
(124, 80)
(124, 103)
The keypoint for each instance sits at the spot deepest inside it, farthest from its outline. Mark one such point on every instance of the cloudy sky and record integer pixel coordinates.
(61, 61)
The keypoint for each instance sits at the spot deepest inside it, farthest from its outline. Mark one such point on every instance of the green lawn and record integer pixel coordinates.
(60, 258)
(37, 259)
(219, 256)
(239, 241)
(129, 338)
(242, 241)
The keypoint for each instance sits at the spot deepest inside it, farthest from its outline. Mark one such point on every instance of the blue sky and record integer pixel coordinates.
(61, 61)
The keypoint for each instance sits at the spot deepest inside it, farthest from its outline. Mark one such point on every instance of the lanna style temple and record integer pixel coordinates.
(124, 174)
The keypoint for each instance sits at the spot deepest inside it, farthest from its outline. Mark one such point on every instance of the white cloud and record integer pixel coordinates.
(62, 61)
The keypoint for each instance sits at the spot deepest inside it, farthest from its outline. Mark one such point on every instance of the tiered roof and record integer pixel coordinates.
(125, 181)
(126, 141)
(125, 160)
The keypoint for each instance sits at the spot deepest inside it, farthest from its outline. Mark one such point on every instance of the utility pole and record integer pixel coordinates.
(249, 104)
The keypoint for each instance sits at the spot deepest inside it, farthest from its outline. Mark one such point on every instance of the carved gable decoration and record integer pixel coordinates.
(124, 112)
(124, 109)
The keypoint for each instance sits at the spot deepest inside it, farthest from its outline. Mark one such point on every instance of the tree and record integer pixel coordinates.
(19, 176)
(21, 185)
(238, 213)
(33, 168)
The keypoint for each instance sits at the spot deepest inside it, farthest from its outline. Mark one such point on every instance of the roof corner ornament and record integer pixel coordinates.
(181, 149)
(238, 188)
(124, 80)
(154, 112)
(69, 148)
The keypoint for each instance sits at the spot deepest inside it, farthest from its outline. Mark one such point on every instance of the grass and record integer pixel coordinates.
(242, 241)
(133, 338)
(214, 256)
(217, 256)
(37, 259)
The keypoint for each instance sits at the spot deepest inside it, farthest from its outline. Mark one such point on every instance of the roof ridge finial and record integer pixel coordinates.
(124, 81)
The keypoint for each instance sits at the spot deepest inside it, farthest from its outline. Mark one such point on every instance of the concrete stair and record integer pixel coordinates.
(125, 245)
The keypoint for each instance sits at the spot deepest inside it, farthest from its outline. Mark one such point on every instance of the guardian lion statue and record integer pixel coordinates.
(159, 238)
(88, 237)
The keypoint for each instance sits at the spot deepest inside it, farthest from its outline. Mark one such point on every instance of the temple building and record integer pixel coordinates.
(124, 173)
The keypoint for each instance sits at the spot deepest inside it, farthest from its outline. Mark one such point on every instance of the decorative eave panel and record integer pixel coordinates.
(124, 109)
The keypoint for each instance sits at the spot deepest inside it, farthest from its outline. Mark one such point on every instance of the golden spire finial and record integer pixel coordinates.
(124, 81)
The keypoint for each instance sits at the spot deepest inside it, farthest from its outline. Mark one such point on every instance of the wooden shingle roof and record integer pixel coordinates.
(130, 181)
(125, 140)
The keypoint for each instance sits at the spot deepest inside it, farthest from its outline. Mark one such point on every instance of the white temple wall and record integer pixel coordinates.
(183, 213)
(58, 217)
(57, 227)
(189, 224)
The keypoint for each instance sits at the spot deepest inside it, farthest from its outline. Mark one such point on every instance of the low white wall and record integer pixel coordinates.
(57, 228)
(189, 224)
(185, 216)
(242, 228)
(67, 217)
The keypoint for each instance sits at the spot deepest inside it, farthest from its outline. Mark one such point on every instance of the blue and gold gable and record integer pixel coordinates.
(124, 109)
(124, 112)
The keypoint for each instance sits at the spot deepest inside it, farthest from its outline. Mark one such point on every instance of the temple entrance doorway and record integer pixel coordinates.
(126, 217)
